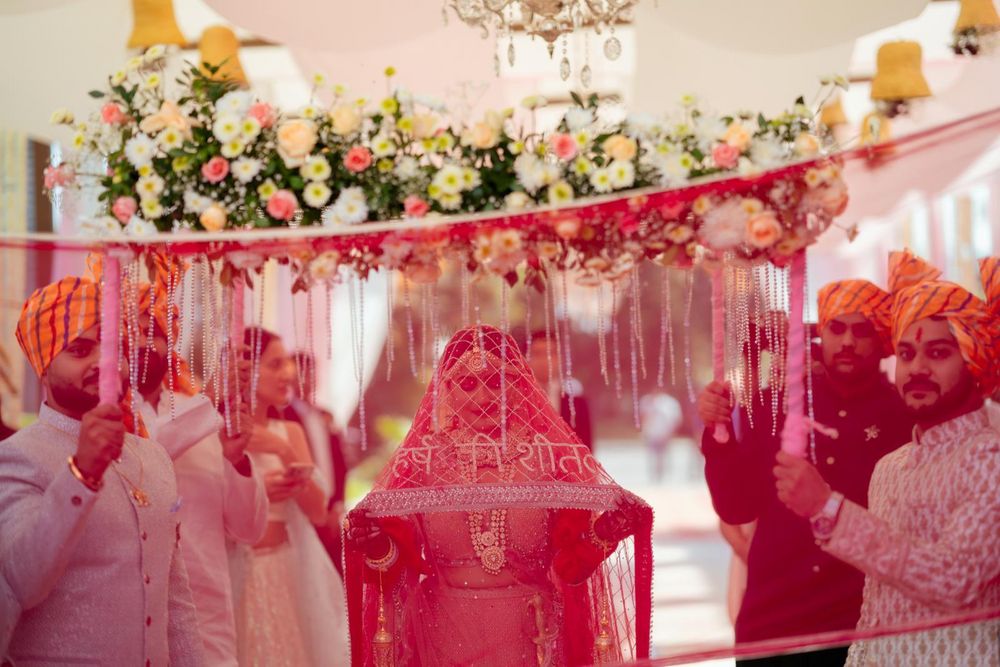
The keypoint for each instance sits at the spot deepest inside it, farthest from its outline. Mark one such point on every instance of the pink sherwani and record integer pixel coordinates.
(99, 579)
(217, 503)
(930, 545)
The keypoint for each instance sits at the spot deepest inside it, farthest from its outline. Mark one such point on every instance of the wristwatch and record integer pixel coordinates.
(824, 521)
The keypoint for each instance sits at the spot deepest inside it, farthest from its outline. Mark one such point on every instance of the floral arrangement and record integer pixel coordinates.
(208, 156)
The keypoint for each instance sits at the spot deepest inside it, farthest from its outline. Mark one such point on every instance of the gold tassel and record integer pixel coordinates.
(603, 643)
(382, 641)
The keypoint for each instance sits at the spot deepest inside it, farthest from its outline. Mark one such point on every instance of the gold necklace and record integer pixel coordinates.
(489, 545)
(135, 490)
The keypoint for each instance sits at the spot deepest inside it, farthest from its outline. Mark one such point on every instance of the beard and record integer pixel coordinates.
(151, 371)
(947, 401)
(73, 399)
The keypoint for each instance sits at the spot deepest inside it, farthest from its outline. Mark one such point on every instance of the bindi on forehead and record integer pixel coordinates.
(920, 334)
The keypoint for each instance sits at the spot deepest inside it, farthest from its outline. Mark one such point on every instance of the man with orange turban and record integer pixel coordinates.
(793, 587)
(930, 541)
(224, 497)
(87, 510)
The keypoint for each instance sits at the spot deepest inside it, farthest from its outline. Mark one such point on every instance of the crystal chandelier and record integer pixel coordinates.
(548, 19)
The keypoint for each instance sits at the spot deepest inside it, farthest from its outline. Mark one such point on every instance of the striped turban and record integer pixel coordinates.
(857, 296)
(989, 271)
(967, 317)
(54, 316)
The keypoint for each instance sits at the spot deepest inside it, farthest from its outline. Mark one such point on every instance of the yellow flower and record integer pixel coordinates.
(266, 189)
(390, 71)
(405, 124)
(152, 81)
(79, 141)
(309, 111)
(429, 145)
(384, 165)
(752, 206)
(151, 208)
(582, 166)
(118, 77)
(812, 178)
(145, 170)
(170, 138)
(450, 201)
(250, 128)
(61, 117)
(433, 191)
(389, 106)
(560, 192)
(233, 148)
(515, 147)
(180, 164)
(620, 147)
(689, 100)
(318, 79)
(339, 89)
(424, 125)
(444, 143)
(582, 139)
(507, 241)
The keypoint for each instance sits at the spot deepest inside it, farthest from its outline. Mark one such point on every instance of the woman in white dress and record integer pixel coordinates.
(291, 600)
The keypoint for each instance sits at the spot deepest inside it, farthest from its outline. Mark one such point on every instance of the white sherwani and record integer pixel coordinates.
(217, 503)
(99, 579)
(930, 545)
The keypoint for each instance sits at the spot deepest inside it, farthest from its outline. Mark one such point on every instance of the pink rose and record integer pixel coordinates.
(358, 159)
(124, 208)
(263, 113)
(763, 230)
(215, 170)
(58, 176)
(282, 205)
(415, 207)
(725, 156)
(830, 199)
(563, 145)
(112, 114)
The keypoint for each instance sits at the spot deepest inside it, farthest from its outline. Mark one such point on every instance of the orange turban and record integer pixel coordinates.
(989, 271)
(968, 319)
(857, 296)
(54, 316)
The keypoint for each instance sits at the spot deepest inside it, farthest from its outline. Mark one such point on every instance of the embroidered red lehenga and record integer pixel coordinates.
(509, 543)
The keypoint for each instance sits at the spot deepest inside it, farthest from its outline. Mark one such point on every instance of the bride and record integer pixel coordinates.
(290, 605)
(492, 536)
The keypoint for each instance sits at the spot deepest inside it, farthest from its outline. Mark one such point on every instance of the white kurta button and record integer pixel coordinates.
(842, 413)
(829, 460)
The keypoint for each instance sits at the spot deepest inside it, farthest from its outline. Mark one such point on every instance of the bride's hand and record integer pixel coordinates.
(619, 523)
(364, 532)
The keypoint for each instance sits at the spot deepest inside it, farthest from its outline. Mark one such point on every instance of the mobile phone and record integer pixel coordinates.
(299, 471)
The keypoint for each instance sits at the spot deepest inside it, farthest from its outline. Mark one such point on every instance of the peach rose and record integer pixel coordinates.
(830, 199)
(296, 139)
(424, 125)
(112, 114)
(346, 119)
(563, 145)
(481, 135)
(567, 226)
(282, 205)
(415, 207)
(263, 113)
(213, 218)
(124, 208)
(725, 156)
(737, 136)
(215, 170)
(358, 159)
(763, 230)
(620, 147)
(806, 145)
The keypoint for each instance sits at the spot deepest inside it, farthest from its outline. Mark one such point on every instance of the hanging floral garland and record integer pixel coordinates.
(595, 195)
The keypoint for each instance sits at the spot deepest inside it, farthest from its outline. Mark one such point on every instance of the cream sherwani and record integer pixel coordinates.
(217, 503)
(930, 545)
(98, 578)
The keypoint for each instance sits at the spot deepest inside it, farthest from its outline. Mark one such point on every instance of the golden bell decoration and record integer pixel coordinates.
(978, 15)
(898, 74)
(153, 22)
(382, 649)
(219, 47)
(832, 114)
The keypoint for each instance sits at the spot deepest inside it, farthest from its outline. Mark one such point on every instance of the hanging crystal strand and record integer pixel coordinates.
(756, 285)
(435, 337)
(637, 307)
(547, 294)
(201, 282)
(504, 306)
(616, 341)
(358, 345)
(689, 288)
(769, 319)
(745, 347)
(189, 284)
(133, 326)
(308, 342)
(390, 349)
(527, 322)
(170, 341)
(558, 340)
(661, 364)
(466, 318)
(567, 344)
(602, 343)
(311, 345)
(424, 326)
(226, 359)
(633, 360)
(786, 307)
(807, 317)
(409, 326)
(255, 342)
(217, 350)
(503, 380)
(327, 288)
